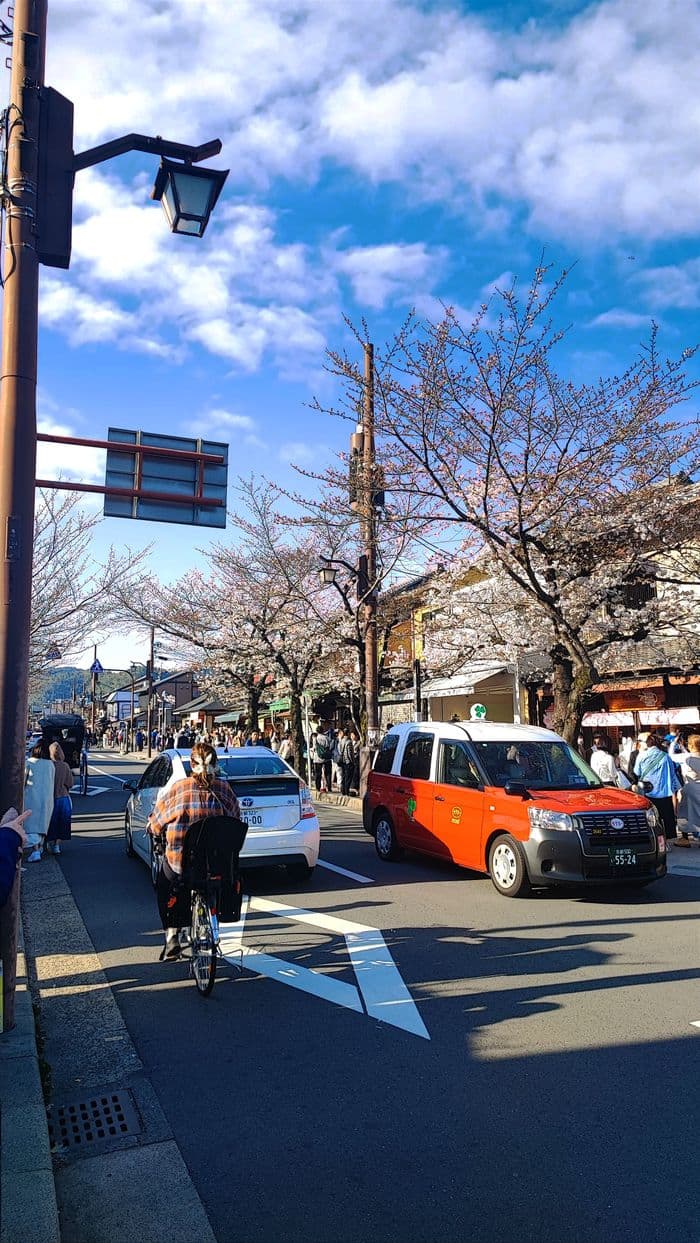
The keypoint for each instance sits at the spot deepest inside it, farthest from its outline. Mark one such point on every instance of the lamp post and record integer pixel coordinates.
(37, 199)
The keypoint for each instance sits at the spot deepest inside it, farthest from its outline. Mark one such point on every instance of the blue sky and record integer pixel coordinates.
(384, 154)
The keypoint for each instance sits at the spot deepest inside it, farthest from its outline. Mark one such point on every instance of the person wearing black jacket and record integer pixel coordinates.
(12, 838)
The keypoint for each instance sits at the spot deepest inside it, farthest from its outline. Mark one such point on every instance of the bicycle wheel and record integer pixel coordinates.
(203, 946)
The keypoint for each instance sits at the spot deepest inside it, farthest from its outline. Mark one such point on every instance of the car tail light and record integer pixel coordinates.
(307, 807)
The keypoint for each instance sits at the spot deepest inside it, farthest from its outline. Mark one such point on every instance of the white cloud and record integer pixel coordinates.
(59, 461)
(397, 272)
(674, 286)
(618, 317)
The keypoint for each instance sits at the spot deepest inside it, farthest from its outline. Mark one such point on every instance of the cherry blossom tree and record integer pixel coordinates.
(72, 591)
(563, 494)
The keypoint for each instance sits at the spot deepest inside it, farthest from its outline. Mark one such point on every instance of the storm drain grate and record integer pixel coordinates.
(95, 1118)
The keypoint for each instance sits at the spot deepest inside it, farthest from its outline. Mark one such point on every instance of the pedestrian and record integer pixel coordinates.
(603, 761)
(139, 739)
(12, 838)
(39, 797)
(60, 824)
(254, 739)
(285, 750)
(689, 801)
(203, 793)
(346, 758)
(336, 773)
(658, 780)
(322, 757)
(355, 779)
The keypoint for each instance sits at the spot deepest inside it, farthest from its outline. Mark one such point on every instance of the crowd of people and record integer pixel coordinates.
(47, 786)
(335, 753)
(663, 767)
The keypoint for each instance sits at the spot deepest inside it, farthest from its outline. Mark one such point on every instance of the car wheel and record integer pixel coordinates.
(155, 864)
(129, 838)
(385, 841)
(507, 867)
(299, 871)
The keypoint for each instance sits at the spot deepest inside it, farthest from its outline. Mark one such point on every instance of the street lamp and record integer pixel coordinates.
(327, 575)
(188, 195)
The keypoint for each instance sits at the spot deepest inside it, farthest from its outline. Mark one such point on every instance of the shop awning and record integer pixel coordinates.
(670, 716)
(280, 705)
(462, 683)
(598, 720)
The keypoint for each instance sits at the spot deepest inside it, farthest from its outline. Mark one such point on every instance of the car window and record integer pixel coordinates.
(269, 765)
(539, 765)
(456, 768)
(384, 758)
(417, 756)
(149, 779)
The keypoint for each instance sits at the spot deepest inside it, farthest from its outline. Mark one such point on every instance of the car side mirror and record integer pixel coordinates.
(516, 788)
(129, 785)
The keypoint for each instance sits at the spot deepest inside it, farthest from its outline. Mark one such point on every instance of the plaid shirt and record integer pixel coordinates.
(184, 803)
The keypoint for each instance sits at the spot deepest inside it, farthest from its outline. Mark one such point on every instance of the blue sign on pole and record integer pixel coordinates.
(166, 478)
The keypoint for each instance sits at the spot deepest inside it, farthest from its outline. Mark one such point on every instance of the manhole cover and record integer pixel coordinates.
(93, 1119)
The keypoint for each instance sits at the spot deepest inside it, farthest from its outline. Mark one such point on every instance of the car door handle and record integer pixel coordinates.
(401, 790)
(439, 798)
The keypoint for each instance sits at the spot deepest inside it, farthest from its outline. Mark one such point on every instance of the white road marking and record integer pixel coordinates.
(94, 769)
(333, 867)
(695, 1023)
(379, 984)
(92, 790)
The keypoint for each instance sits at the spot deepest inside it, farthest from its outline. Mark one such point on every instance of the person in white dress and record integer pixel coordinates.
(38, 797)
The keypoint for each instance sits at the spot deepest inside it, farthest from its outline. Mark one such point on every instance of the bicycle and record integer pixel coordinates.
(211, 874)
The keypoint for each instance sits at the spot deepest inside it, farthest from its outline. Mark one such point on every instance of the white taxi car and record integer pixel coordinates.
(283, 828)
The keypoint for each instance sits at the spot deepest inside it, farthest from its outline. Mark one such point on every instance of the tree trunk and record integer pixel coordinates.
(296, 730)
(254, 695)
(570, 688)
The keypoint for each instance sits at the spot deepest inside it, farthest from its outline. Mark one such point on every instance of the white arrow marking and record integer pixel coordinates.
(379, 983)
(92, 790)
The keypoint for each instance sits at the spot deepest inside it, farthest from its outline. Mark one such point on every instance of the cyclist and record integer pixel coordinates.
(201, 794)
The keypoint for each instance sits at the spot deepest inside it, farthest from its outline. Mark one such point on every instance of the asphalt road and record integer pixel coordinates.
(532, 1074)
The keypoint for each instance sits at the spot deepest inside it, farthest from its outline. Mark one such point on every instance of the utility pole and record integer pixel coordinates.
(368, 575)
(18, 432)
(149, 691)
(93, 689)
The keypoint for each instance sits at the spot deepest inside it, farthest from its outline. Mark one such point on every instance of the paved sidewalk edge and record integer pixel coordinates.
(28, 1207)
(339, 800)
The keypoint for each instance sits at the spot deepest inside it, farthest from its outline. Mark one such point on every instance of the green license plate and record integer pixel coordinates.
(622, 856)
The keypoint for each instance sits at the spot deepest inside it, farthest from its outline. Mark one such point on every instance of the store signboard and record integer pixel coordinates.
(635, 700)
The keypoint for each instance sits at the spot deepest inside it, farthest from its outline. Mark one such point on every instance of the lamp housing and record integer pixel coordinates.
(188, 194)
(327, 575)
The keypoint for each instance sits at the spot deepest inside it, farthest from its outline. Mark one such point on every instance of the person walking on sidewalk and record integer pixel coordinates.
(39, 797)
(346, 754)
(654, 767)
(204, 793)
(60, 823)
(323, 760)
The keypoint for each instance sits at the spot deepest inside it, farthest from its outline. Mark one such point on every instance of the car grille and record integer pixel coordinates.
(599, 833)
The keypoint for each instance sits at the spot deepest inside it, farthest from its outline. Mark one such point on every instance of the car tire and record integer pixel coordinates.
(155, 863)
(507, 867)
(129, 838)
(299, 871)
(385, 843)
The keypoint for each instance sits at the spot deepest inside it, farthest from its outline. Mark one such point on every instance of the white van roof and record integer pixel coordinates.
(478, 731)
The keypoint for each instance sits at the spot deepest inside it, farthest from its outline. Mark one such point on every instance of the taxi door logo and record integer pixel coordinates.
(456, 815)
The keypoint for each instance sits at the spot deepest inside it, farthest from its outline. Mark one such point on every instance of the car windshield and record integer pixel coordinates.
(538, 765)
(269, 765)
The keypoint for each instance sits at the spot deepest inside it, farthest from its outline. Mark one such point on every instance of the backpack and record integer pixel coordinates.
(324, 748)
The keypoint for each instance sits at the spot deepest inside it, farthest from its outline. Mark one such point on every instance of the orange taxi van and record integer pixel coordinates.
(515, 801)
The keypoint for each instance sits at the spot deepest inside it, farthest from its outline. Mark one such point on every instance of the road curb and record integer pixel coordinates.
(339, 800)
(29, 1210)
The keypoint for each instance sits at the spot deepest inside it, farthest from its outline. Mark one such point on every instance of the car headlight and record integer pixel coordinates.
(652, 818)
(540, 818)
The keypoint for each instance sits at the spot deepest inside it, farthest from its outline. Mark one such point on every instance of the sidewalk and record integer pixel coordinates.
(100, 1186)
(28, 1210)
